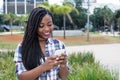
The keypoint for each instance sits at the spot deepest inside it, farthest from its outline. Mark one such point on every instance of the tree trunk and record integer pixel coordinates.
(11, 27)
(71, 21)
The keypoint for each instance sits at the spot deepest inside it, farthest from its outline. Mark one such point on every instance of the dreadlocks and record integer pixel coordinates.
(31, 50)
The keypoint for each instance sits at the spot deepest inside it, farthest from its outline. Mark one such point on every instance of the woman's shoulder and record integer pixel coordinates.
(57, 43)
(55, 40)
(19, 44)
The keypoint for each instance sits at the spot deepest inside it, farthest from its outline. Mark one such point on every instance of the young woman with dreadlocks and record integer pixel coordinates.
(34, 56)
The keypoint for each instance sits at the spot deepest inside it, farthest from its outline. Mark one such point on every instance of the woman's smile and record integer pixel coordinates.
(47, 34)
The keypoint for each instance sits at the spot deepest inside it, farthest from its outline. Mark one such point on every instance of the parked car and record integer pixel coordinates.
(13, 27)
(5, 28)
(106, 28)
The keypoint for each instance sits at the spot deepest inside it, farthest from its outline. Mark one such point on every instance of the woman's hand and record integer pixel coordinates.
(64, 72)
(62, 60)
(51, 62)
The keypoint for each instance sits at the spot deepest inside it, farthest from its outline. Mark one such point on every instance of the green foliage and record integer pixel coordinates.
(80, 58)
(7, 66)
(91, 72)
(1, 29)
(117, 13)
(102, 16)
(118, 21)
(82, 67)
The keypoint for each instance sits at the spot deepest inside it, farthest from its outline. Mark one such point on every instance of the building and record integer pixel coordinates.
(1, 6)
(19, 6)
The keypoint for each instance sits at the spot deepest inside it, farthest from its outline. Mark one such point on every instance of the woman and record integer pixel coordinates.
(34, 56)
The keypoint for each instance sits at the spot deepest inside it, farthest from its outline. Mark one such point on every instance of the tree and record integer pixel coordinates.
(22, 20)
(118, 23)
(68, 14)
(103, 16)
(11, 18)
(78, 3)
(117, 18)
(117, 13)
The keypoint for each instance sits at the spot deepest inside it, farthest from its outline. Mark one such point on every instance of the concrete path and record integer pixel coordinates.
(107, 54)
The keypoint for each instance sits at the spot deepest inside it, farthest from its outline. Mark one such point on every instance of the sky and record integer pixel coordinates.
(59, 2)
(112, 4)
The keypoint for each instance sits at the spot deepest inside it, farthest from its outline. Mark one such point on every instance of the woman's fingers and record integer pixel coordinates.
(55, 60)
(53, 57)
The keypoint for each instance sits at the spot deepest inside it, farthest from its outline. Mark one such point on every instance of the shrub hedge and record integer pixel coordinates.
(82, 67)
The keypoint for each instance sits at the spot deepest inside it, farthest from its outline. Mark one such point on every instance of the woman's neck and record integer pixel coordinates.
(42, 45)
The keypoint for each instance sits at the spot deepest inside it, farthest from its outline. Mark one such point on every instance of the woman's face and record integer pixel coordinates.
(45, 28)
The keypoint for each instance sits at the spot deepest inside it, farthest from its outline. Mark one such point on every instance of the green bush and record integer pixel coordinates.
(7, 66)
(1, 29)
(82, 67)
(79, 58)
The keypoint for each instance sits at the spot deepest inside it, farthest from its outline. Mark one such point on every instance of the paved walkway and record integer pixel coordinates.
(8, 33)
(110, 34)
(107, 54)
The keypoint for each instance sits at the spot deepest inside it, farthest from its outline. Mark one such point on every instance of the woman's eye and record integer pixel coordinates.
(49, 24)
(41, 26)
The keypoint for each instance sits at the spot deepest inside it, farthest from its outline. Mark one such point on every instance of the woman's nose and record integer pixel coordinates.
(46, 28)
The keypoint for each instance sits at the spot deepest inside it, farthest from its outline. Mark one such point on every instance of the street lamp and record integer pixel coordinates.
(88, 21)
(64, 23)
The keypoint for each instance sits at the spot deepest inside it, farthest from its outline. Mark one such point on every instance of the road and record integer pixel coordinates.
(107, 54)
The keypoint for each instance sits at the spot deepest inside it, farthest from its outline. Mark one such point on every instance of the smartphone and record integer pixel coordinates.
(59, 52)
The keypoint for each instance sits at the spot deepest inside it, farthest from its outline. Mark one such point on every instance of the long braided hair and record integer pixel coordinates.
(31, 50)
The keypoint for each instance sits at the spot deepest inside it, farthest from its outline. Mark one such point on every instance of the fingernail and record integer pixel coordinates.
(57, 58)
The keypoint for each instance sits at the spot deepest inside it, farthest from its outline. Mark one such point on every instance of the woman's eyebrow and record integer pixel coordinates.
(50, 22)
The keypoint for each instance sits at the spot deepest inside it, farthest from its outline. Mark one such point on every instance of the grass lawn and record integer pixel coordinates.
(10, 42)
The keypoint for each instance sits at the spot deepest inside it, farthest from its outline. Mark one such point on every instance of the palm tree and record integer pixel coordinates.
(11, 18)
(22, 19)
(70, 5)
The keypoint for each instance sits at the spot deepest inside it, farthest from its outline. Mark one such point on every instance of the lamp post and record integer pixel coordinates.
(64, 19)
(88, 21)
(64, 22)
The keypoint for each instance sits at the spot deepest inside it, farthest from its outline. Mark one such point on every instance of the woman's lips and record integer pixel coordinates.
(47, 34)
